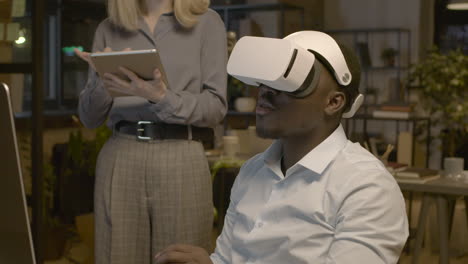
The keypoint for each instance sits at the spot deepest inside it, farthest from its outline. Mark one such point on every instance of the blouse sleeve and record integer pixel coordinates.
(207, 108)
(95, 101)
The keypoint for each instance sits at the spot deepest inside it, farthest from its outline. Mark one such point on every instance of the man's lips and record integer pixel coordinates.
(264, 107)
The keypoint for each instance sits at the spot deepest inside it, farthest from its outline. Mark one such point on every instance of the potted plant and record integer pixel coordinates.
(388, 56)
(442, 85)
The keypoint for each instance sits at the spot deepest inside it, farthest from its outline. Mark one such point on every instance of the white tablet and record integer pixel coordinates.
(141, 62)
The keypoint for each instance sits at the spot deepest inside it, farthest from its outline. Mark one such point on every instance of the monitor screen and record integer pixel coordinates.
(15, 234)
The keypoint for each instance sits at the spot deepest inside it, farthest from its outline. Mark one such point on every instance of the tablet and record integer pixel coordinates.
(141, 62)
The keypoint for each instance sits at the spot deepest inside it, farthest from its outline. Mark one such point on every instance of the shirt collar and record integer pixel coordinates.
(274, 153)
(165, 24)
(318, 158)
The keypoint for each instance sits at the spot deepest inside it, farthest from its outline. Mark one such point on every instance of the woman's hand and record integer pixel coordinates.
(183, 254)
(153, 90)
(86, 56)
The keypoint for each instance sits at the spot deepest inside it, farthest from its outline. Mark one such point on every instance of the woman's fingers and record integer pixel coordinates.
(131, 75)
(83, 55)
(157, 77)
(157, 74)
(116, 81)
(117, 90)
(86, 56)
(112, 86)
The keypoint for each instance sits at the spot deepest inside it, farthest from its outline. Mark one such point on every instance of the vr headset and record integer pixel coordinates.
(285, 64)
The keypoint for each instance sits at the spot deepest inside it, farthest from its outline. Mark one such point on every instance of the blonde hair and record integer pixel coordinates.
(126, 13)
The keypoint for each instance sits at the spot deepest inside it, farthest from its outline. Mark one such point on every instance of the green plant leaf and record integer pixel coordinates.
(442, 85)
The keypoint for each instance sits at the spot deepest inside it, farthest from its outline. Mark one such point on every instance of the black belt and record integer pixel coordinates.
(147, 130)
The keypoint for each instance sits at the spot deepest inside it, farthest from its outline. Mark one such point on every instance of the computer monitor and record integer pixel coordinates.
(16, 244)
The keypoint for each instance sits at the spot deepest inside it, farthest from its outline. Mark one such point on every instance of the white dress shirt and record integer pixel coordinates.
(338, 204)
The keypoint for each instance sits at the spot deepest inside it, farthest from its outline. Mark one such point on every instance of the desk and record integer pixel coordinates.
(438, 191)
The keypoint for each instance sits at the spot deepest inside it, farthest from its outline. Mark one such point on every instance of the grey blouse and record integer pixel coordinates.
(195, 64)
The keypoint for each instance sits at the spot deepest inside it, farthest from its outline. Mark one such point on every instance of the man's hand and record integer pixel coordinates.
(183, 254)
(153, 90)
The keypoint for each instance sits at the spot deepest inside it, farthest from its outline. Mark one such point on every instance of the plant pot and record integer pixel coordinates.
(453, 167)
(245, 104)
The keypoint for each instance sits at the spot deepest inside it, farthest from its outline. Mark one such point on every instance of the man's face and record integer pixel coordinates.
(279, 114)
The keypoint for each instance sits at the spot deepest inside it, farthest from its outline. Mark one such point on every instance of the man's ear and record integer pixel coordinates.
(335, 103)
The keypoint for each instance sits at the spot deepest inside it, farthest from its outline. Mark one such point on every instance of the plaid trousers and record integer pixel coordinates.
(149, 195)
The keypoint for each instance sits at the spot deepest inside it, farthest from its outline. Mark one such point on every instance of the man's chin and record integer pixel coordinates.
(267, 133)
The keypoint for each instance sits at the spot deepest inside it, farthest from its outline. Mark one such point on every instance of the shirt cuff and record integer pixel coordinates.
(166, 104)
(99, 89)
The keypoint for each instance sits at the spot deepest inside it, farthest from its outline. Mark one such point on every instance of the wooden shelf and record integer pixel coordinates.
(370, 117)
(15, 67)
(255, 7)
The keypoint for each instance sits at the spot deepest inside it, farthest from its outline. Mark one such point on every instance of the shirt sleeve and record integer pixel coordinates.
(371, 223)
(95, 101)
(207, 108)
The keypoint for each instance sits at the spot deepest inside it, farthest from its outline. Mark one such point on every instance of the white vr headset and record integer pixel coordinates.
(285, 64)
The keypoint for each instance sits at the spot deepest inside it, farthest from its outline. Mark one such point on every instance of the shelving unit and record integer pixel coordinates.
(375, 40)
(226, 12)
(401, 39)
(411, 124)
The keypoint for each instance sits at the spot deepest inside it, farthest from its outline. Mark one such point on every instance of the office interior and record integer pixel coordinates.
(402, 122)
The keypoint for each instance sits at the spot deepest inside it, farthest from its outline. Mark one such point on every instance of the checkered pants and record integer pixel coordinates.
(149, 195)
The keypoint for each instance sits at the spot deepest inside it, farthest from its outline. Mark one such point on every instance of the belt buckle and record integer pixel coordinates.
(141, 129)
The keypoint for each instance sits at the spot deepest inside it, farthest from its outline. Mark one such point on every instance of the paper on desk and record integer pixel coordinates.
(18, 8)
(12, 30)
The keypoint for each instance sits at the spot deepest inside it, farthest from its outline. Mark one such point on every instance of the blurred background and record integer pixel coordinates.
(397, 42)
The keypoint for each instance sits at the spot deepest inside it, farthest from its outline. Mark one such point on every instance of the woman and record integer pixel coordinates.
(152, 193)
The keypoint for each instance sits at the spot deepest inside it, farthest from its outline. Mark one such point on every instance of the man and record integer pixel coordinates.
(312, 196)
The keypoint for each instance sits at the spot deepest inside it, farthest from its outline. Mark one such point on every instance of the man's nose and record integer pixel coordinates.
(266, 91)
